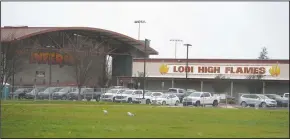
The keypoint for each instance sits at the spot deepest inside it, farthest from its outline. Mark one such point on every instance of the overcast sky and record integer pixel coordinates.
(215, 29)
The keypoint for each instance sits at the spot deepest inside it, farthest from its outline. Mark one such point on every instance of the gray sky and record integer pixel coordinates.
(215, 29)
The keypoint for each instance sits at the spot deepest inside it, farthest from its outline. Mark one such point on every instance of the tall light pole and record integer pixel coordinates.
(175, 40)
(144, 72)
(50, 60)
(187, 45)
(139, 22)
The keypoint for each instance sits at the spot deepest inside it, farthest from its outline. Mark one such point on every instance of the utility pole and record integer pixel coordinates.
(139, 23)
(175, 46)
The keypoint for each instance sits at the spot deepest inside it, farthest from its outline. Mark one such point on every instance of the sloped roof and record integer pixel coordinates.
(11, 33)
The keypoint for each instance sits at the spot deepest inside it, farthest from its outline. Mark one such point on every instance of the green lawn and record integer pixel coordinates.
(26, 119)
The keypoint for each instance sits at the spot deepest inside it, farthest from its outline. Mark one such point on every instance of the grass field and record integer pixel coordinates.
(86, 119)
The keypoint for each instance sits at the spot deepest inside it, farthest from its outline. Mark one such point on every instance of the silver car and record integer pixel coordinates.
(256, 99)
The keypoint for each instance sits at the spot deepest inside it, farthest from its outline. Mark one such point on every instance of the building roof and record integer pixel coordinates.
(9, 33)
(167, 60)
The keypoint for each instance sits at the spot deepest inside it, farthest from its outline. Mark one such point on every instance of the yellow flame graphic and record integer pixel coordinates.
(163, 69)
(275, 70)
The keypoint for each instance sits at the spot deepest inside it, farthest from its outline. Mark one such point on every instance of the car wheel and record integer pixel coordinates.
(176, 103)
(163, 103)
(244, 104)
(63, 98)
(215, 103)
(197, 104)
(148, 101)
(130, 100)
(264, 105)
(98, 98)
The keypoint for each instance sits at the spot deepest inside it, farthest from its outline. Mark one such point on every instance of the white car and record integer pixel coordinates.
(111, 94)
(128, 95)
(148, 97)
(201, 98)
(166, 99)
(286, 95)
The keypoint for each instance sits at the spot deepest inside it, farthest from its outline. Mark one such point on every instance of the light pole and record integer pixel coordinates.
(144, 72)
(139, 23)
(187, 45)
(175, 40)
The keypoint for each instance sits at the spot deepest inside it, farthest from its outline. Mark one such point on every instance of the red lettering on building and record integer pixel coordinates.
(53, 58)
(209, 69)
(183, 69)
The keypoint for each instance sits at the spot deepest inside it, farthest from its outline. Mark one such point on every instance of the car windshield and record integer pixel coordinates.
(64, 89)
(274, 96)
(172, 90)
(128, 92)
(148, 94)
(40, 89)
(263, 97)
(195, 94)
(20, 90)
(49, 89)
(165, 96)
(113, 91)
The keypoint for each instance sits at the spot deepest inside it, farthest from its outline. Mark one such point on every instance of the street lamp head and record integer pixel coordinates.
(176, 40)
(139, 21)
(187, 44)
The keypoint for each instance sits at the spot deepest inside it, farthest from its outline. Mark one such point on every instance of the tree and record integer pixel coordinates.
(219, 84)
(10, 60)
(254, 84)
(82, 62)
(139, 79)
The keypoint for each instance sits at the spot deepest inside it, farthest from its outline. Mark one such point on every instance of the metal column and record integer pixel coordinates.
(263, 87)
(232, 88)
(172, 83)
(201, 86)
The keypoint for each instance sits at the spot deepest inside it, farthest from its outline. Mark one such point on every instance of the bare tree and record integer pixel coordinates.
(139, 79)
(219, 84)
(254, 84)
(82, 63)
(11, 62)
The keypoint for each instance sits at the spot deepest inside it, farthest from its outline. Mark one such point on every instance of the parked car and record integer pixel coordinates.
(129, 95)
(34, 92)
(92, 93)
(62, 93)
(111, 94)
(256, 99)
(281, 102)
(180, 93)
(148, 96)
(85, 93)
(201, 98)
(286, 95)
(47, 93)
(21, 92)
(166, 99)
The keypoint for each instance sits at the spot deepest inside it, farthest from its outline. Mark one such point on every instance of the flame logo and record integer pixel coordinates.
(275, 70)
(163, 69)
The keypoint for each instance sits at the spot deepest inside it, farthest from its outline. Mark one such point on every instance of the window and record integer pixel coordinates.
(254, 96)
(206, 95)
(138, 92)
(180, 91)
(157, 94)
(246, 96)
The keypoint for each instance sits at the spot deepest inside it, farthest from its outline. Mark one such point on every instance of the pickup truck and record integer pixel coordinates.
(111, 94)
(129, 96)
(86, 93)
(201, 98)
(180, 93)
